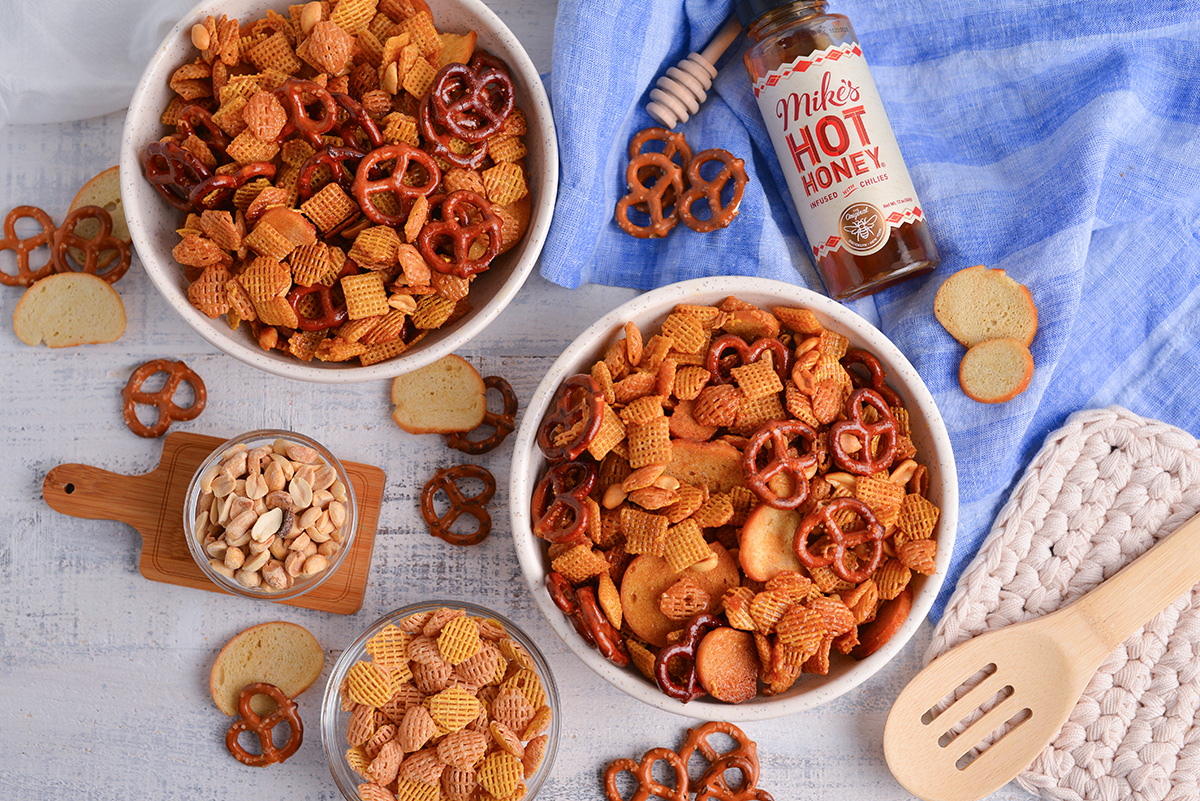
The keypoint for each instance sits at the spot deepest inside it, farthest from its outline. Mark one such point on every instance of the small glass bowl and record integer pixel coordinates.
(334, 719)
(195, 540)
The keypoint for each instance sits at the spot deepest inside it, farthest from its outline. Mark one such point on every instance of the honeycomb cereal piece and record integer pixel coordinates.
(514, 652)
(409, 790)
(687, 332)
(197, 251)
(742, 500)
(689, 381)
(433, 311)
(634, 386)
(383, 351)
(365, 295)
(683, 599)
(415, 623)
(717, 405)
(386, 764)
(644, 532)
(357, 759)
(207, 293)
(405, 698)
(451, 287)
(512, 708)
(434, 678)
(793, 586)
(535, 751)
(274, 52)
(329, 207)
(459, 640)
(736, 603)
(505, 184)
(580, 563)
(684, 546)
(192, 81)
(361, 726)
(642, 410)
(690, 500)
(264, 116)
(221, 229)
(424, 650)
(649, 443)
(516, 124)
(917, 518)
(420, 27)
(506, 149)
(311, 265)
(480, 667)
(919, 556)
(499, 774)
(265, 278)
(266, 241)
(611, 432)
(423, 767)
(239, 301)
(458, 784)
(389, 647)
(462, 749)
(891, 578)
(642, 657)
(329, 46)
(716, 511)
(835, 615)
(818, 663)
(526, 680)
(757, 380)
(754, 413)
(415, 728)
(506, 739)
(884, 498)
(369, 684)
(802, 321)
(766, 609)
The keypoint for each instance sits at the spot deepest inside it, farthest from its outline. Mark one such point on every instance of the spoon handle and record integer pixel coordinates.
(1125, 602)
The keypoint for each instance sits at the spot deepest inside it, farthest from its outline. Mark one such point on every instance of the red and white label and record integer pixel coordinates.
(839, 155)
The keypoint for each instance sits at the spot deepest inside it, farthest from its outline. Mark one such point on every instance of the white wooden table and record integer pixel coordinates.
(104, 675)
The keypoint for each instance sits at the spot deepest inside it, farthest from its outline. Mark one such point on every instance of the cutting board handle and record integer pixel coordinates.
(80, 490)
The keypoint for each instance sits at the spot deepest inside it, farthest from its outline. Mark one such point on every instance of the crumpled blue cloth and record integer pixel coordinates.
(1057, 140)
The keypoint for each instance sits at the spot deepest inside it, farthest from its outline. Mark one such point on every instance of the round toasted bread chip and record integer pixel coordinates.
(445, 397)
(978, 304)
(104, 191)
(996, 371)
(278, 653)
(69, 309)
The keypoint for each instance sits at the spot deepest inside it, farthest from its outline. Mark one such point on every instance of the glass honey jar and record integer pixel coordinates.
(844, 171)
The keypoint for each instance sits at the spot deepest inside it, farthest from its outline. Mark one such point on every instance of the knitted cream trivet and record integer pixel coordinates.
(1102, 490)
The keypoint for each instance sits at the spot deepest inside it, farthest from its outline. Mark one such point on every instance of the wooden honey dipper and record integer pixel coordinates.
(679, 93)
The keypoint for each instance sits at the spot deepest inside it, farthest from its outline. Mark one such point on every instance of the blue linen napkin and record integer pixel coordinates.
(1057, 140)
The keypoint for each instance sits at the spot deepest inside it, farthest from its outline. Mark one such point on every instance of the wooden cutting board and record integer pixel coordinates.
(153, 504)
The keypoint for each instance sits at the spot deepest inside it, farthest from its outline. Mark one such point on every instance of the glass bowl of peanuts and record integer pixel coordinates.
(345, 240)
(270, 515)
(742, 492)
(441, 694)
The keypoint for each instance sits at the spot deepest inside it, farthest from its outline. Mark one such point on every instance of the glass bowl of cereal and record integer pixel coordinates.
(299, 199)
(445, 694)
(270, 515)
(741, 490)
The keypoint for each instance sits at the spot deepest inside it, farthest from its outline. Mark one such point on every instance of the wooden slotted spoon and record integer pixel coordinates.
(1038, 670)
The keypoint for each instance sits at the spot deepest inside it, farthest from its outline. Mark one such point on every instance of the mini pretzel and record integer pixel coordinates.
(285, 712)
(357, 120)
(472, 101)
(331, 314)
(437, 139)
(23, 247)
(797, 465)
(190, 116)
(674, 144)
(715, 360)
(173, 171)
(578, 401)
(559, 515)
(689, 689)
(446, 480)
(501, 423)
(875, 378)
(403, 157)
(865, 462)
(65, 238)
(654, 197)
(464, 218)
(698, 738)
(647, 787)
(168, 412)
(841, 541)
(291, 95)
(562, 593)
(700, 189)
(608, 640)
(334, 158)
(216, 189)
(712, 786)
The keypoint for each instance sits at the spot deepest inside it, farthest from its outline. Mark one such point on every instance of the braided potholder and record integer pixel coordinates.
(1103, 489)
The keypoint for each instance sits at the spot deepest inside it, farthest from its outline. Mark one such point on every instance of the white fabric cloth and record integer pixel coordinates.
(1103, 489)
(68, 60)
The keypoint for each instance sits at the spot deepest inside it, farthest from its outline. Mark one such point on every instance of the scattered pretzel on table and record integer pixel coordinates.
(168, 412)
(23, 247)
(263, 727)
(502, 423)
(446, 481)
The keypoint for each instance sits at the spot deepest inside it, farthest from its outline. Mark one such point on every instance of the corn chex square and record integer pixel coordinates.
(365, 296)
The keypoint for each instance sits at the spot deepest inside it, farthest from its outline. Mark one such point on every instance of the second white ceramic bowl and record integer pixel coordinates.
(648, 311)
(152, 222)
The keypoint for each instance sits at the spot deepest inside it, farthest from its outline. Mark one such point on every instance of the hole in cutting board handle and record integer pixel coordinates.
(68, 488)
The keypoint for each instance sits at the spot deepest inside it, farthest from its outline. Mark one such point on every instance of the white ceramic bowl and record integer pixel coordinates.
(648, 311)
(152, 222)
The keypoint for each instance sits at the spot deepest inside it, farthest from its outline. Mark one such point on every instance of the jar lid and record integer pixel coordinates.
(750, 10)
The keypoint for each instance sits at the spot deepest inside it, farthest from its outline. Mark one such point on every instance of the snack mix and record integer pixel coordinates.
(345, 170)
(447, 702)
(731, 500)
(271, 515)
